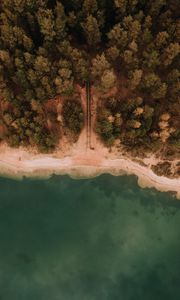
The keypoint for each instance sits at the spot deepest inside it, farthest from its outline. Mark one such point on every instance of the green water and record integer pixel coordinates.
(96, 239)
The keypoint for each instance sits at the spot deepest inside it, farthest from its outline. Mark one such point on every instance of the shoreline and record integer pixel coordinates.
(81, 166)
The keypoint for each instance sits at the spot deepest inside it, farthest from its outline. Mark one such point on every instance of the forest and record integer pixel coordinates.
(130, 47)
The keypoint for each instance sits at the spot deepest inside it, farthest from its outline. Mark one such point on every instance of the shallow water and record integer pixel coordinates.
(96, 239)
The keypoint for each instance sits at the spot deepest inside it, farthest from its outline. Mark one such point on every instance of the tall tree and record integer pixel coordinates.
(91, 31)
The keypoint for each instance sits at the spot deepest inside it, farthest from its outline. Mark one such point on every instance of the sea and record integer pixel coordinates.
(90, 239)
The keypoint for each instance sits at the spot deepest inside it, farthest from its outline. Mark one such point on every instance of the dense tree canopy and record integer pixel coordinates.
(48, 46)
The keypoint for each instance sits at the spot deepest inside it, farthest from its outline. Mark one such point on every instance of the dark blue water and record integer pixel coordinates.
(96, 239)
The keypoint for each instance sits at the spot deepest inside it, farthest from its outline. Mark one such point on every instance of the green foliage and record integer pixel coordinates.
(28, 127)
(91, 31)
(89, 7)
(152, 83)
(105, 128)
(99, 65)
(48, 47)
(108, 80)
(73, 116)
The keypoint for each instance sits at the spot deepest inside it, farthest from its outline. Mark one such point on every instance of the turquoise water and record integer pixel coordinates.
(96, 239)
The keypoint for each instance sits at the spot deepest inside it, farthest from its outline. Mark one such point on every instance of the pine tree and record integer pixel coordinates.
(99, 65)
(89, 7)
(91, 31)
(108, 80)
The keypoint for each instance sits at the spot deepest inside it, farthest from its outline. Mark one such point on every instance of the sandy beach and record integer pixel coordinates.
(18, 163)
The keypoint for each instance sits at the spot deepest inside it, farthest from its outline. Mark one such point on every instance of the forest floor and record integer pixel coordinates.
(78, 160)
